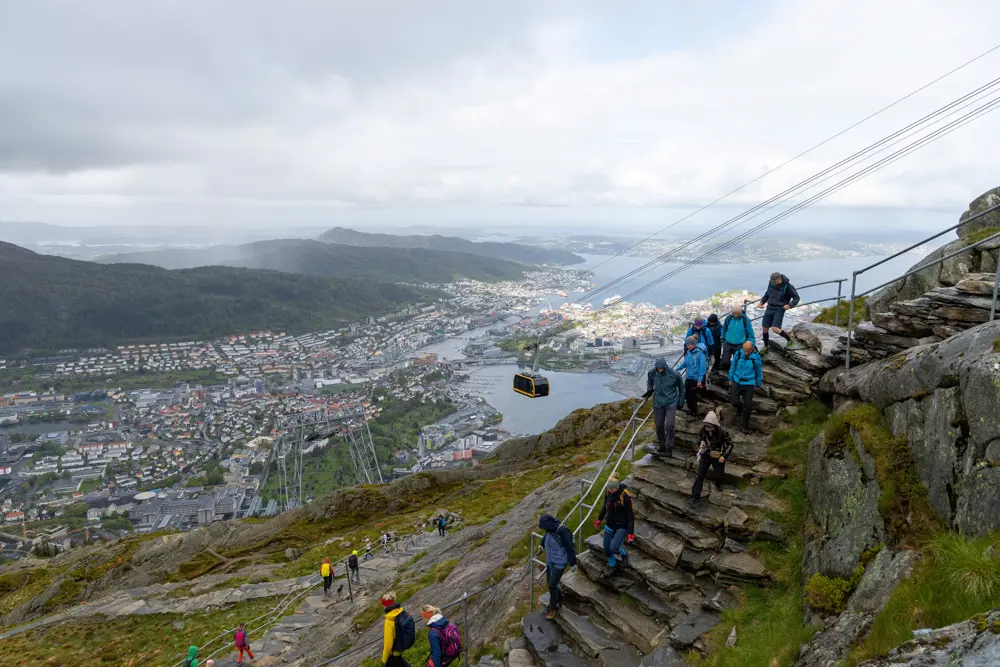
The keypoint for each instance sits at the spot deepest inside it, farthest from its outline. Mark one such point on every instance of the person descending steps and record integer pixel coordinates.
(353, 566)
(714, 446)
(704, 333)
(192, 659)
(442, 523)
(715, 350)
(778, 297)
(619, 517)
(442, 635)
(746, 375)
(560, 554)
(326, 571)
(696, 366)
(667, 390)
(242, 643)
(736, 330)
(398, 632)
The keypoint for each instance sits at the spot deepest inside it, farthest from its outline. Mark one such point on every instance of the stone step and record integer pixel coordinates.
(705, 513)
(719, 393)
(736, 473)
(669, 476)
(643, 632)
(649, 602)
(660, 577)
(588, 630)
(659, 544)
(786, 366)
(546, 642)
(693, 534)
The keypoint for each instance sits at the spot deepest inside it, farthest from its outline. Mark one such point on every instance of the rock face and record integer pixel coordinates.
(973, 643)
(842, 495)
(981, 259)
(943, 398)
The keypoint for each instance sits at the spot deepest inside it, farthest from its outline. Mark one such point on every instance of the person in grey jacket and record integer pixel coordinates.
(667, 389)
(559, 555)
(778, 297)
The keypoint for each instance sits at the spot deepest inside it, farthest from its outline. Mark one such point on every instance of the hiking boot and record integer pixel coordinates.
(550, 614)
(693, 501)
(616, 570)
(744, 430)
(790, 343)
(718, 486)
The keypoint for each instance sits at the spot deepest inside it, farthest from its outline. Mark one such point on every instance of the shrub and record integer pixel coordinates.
(968, 565)
(829, 594)
(829, 315)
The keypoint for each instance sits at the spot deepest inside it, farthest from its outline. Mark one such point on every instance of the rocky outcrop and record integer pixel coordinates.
(980, 260)
(972, 643)
(943, 398)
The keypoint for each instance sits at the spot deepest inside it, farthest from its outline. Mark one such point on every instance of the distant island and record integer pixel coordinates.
(49, 302)
(311, 257)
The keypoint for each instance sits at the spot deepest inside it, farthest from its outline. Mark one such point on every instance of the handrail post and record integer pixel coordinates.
(531, 573)
(836, 313)
(996, 285)
(468, 630)
(350, 591)
(850, 319)
(579, 524)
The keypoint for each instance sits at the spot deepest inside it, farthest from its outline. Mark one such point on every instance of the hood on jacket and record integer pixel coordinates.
(713, 319)
(784, 279)
(621, 487)
(437, 621)
(691, 340)
(712, 419)
(192, 652)
(548, 523)
(661, 362)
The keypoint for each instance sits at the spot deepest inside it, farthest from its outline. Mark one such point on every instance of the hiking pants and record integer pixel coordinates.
(704, 462)
(664, 420)
(396, 661)
(741, 396)
(613, 541)
(241, 649)
(716, 353)
(356, 573)
(327, 581)
(441, 531)
(728, 350)
(691, 392)
(554, 574)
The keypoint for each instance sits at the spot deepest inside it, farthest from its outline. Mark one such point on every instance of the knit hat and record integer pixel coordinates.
(699, 322)
(355, 552)
(712, 419)
(388, 601)
(713, 318)
(691, 340)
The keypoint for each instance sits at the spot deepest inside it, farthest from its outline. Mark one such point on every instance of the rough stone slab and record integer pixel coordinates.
(752, 497)
(695, 560)
(642, 631)
(591, 635)
(708, 515)
(649, 602)
(786, 366)
(656, 574)
(665, 656)
(693, 534)
(769, 530)
(688, 629)
(545, 641)
(660, 545)
(740, 565)
(666, 477)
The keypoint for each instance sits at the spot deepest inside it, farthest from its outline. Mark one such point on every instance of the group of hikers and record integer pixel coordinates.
(241, 641)
(399, 634)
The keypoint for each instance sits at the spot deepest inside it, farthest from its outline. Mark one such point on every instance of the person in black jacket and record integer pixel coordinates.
(778, 297)
(619, 527)
(714, 447)
(559, 555)
(715, 351)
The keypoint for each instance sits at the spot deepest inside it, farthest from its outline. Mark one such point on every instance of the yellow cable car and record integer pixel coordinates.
(531, 385)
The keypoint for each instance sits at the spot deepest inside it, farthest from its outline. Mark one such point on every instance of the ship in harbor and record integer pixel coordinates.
(612, 299)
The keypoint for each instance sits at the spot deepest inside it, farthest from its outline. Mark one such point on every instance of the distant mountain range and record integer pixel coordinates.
(53, 302)
(513, 252)
(312, 257)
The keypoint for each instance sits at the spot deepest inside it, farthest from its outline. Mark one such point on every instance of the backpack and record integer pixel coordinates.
(746, 324)
(451, 642)
(352, 562)
(442, 522)
(240, 638)
(406, 633)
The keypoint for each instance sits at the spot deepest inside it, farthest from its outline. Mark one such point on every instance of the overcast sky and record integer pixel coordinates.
(353, 112)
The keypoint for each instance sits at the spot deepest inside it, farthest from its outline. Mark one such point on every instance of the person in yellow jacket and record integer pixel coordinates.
(398, 632)
(326, 571)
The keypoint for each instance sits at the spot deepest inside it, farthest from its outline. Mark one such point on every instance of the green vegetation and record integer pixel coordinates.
(151, 639)
(982, 234)
(830, 315)
(114, 524)
(790, 446)
(956, 579)
(202, 563)
(829, 594)
(20, 586)
(101, 305)
(996, 344)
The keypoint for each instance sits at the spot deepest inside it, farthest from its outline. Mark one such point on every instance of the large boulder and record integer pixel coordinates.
(842, 494)
(985, 201)
(972, 643)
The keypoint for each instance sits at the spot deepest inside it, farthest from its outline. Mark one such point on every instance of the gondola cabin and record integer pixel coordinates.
(531, 385)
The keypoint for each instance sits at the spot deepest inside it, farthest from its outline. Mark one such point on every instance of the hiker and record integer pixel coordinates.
(352, 565)
(715, 349)
(667, 390)
(398, 632)
(385, 542)
(192, 660)
(242, 643)
(443, 636)
(714, 446)
(778, 297)
(704, 333)
(368, 548)
(745, 376)
(442, 523)
(326, 571)
(619, 527)
(697, 367)
(736, 330)
(559, 554)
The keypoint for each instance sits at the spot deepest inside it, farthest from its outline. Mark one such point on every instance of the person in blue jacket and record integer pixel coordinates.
(560, 554)
(703, 332)
(736, 330)
(745, 376)
(696, 365)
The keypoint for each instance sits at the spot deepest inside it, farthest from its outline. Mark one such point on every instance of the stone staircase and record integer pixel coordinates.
(680, 571)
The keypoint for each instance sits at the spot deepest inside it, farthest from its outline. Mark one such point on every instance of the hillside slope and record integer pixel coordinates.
(514, 252)
(54, 302)
(334, 260)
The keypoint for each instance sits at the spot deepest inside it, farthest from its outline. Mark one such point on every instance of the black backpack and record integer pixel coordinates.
(406, 632)
(352, 562)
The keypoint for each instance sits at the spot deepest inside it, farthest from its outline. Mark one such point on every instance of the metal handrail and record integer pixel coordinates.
(854, 276)
(466, 644)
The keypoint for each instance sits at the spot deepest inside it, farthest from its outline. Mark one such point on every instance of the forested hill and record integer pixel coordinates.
(514, 252)
(53, 302)
(335, 260)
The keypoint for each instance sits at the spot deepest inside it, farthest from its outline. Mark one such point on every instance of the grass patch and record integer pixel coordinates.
(149, 639)
(982, 234)
(996, 344)
(20, 586)
(842, 311)
(790, 445)
(957, 579)
(201, 564)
